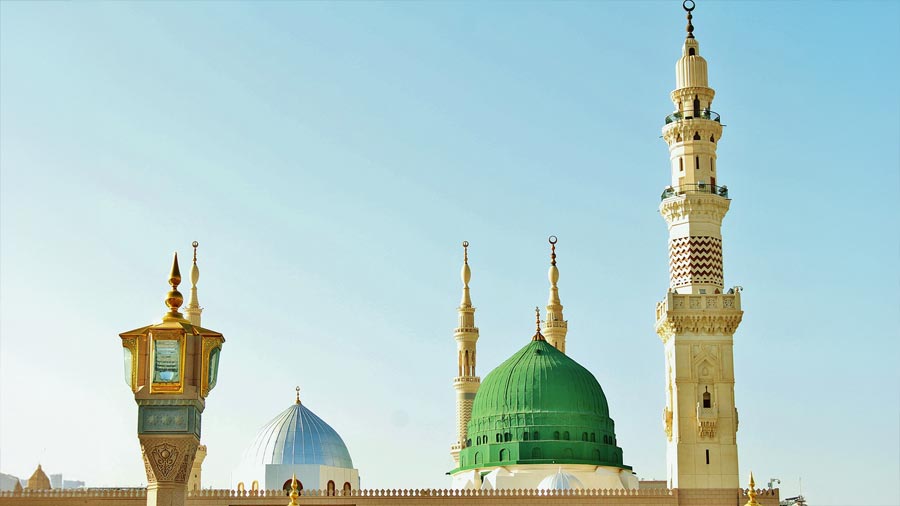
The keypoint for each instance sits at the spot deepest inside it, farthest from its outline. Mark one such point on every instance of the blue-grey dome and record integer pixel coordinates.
(298, 436)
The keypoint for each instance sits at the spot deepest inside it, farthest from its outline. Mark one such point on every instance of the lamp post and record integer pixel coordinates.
(171, 367)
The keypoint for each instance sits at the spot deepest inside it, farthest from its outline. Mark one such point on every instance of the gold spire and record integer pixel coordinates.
(193, 308)
(466, 276)
(751, 493)
(537, 323)
(294, 494)
(174, 299)
(688, 6)
(298, 394)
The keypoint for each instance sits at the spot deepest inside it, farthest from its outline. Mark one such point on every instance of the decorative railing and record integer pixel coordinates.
(673, 191)
(704, 114)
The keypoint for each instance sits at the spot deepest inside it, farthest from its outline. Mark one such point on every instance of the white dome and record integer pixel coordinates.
(560, 480)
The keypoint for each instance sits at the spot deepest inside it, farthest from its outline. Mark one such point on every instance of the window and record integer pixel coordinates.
(593, 437)
(507, 436)
(346, 489)
(329, 488)
(556, 435)
(697, 162)
(504, 455)
(696, 136)
(469, 442)
(681, 164)
(566, 435)
(584, 436)
(605, 439)
(498, 437)
(707, 457)
(597, 455)
(692, 51)
(707, 400)
(536, 436)
(477, 458)
(525, 436)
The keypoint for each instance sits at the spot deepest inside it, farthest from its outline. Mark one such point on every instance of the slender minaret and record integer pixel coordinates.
(697, 319)
(466, 382)
(193, 309)
(555, 326)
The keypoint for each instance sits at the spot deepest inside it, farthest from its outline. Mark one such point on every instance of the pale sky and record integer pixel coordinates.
(330, 158)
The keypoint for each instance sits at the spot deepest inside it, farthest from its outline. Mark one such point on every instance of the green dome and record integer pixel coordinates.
(540, 407)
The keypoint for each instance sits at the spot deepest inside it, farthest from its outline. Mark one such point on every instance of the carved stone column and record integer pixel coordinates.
(168, 460)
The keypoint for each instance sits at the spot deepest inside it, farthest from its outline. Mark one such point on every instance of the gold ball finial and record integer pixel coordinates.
(465, 245)
(195, 244)
(294, 493)
(298, 394)
(174, 299)
(537, 323)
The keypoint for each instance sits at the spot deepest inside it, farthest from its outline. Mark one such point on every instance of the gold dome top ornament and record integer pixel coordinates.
(174, 299)
(751, 493)
(294, 494)
(537, 323)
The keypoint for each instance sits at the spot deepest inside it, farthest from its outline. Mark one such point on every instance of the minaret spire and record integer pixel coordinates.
(193, 308)
(697, 319)
(555, 326)
(466, 382)
(688, 6)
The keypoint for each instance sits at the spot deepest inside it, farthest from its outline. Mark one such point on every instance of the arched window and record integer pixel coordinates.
(566, 435)
(696, 136)
(477, 458)
(504, 455)
(692, 51)
(584, 436)
(329, 489)
(498, 437)
(596, 455)
(681, 164)
(593, 437)
(556, 435)
(605, 439)
(346, 489)
(507, 436)
(525, 436)
(468, 442)
(536, 435)
(707, 400)
(536, 453)
(696, 106)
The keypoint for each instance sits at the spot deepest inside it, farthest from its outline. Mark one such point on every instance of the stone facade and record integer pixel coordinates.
(418, 497)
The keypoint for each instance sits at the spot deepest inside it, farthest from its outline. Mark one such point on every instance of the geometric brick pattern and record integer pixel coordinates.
(695, 260)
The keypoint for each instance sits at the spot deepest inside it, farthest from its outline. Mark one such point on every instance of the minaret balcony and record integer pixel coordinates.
(709, 189)
(704, 114)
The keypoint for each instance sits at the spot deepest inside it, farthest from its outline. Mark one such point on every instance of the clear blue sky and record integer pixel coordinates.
(330, 157)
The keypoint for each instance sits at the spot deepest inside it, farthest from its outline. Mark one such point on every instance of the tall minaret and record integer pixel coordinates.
(193, 309)
(466, 382)
(697, 319)
(555, 326)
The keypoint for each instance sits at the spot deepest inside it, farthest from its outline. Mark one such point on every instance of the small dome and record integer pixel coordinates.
(298, 436)
(38, 480)
(560, 481)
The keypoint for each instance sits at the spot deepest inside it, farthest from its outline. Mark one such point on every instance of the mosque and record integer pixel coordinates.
(537, 430)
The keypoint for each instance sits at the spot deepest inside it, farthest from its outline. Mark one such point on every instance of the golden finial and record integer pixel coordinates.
(751, 494)
(298, 394)
(294, 494)
(466, 252)
(174, 299)
(195, 244)
(466, 276)
(688, 6)
(552, 240)
(537, 323)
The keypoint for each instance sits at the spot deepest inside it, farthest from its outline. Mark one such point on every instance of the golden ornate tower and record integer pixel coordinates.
(466, 382)
(697, 319)
(555, 326)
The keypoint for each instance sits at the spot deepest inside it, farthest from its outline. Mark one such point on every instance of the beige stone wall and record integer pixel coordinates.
(649, 497)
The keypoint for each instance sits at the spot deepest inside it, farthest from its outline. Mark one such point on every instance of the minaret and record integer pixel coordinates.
(193, 309)
(555, 326)
(697, 319)
(466, 382)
